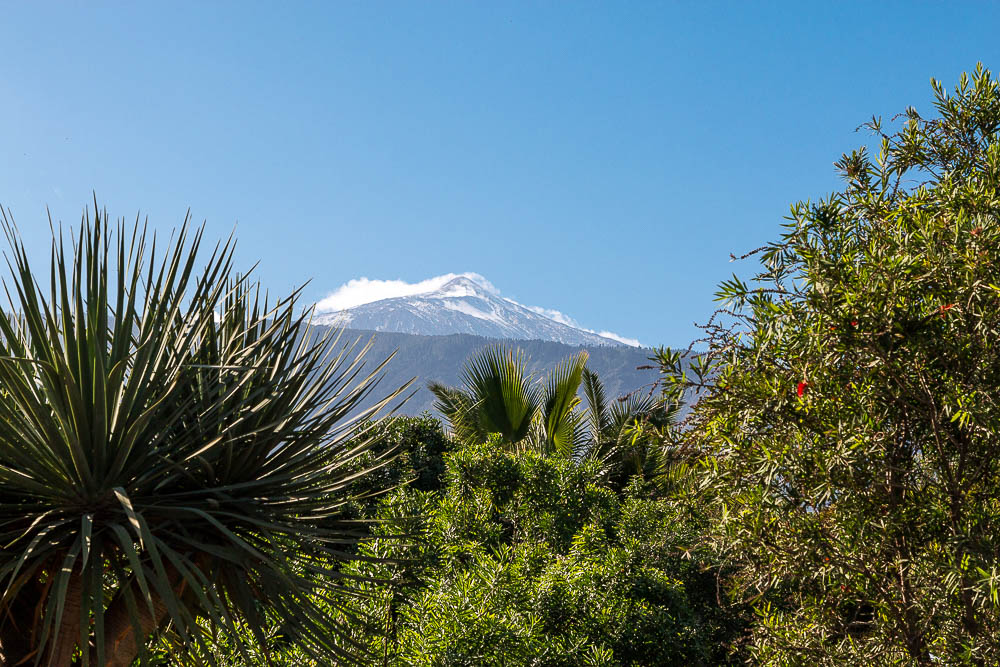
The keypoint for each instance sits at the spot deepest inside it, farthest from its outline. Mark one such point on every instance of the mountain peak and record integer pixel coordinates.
(461, 286)
(464, 303)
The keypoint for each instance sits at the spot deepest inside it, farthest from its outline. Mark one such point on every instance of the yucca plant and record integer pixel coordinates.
(174, 454)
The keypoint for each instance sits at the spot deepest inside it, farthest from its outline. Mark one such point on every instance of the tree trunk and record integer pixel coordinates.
(68, 637)
(123, 640)
(15, 635)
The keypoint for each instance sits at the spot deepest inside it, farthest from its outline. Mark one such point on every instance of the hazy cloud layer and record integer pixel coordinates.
(359, 291)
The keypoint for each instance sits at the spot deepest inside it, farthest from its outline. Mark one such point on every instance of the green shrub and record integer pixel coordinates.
(528, 559)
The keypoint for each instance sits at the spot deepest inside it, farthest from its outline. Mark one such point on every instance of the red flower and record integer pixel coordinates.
(802, 388)
(945, 308)
(854, 323)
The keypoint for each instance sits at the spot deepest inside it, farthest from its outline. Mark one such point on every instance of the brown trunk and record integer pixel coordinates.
(123, 639)
(68, 637)
(16, 642)
(122, 646)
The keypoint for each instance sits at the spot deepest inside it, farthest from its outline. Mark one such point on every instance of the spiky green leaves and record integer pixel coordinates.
(172, 448)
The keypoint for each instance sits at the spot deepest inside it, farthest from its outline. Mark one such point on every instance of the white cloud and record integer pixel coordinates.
(360, 291)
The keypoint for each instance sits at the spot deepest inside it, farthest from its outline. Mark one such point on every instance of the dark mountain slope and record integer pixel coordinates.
(441, 358)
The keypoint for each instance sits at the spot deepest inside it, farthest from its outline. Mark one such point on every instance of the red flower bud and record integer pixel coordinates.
(801, 388)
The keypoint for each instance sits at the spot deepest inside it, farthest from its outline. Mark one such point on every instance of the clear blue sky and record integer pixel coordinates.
(602, 159)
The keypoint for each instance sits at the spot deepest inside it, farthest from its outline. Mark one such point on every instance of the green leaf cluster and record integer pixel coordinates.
(847, 417)
(529, 558)
(500, 400)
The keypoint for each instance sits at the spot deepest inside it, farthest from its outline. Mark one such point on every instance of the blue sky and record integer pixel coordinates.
(602, 159)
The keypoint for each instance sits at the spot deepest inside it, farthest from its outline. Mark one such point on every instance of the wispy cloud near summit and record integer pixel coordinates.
(563, 318)
(359, 291)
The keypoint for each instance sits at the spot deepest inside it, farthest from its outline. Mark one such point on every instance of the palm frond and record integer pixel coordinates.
(507, 398)
(459, 410)
(559, 404)
(627, 408)
(598, 419)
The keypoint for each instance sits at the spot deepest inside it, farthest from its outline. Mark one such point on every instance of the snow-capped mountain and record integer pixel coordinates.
(461, 305)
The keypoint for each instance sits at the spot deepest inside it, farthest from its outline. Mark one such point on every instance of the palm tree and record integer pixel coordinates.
(624, 434)
(561, 421)
(500, 397)
(173, 453)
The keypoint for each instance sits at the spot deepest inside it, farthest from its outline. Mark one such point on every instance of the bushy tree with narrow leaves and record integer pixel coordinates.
(848, 417)
(530, 559)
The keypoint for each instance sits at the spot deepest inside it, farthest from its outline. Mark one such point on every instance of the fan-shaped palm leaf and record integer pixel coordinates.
(459, 409)
(499, 397)
(506, 397)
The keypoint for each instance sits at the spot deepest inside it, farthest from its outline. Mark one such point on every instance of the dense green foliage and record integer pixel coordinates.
(849, 416)
(401, 452)
(531, 559)
(404, 451)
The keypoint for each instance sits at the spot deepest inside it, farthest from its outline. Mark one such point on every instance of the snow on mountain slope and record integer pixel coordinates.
(461, 305)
